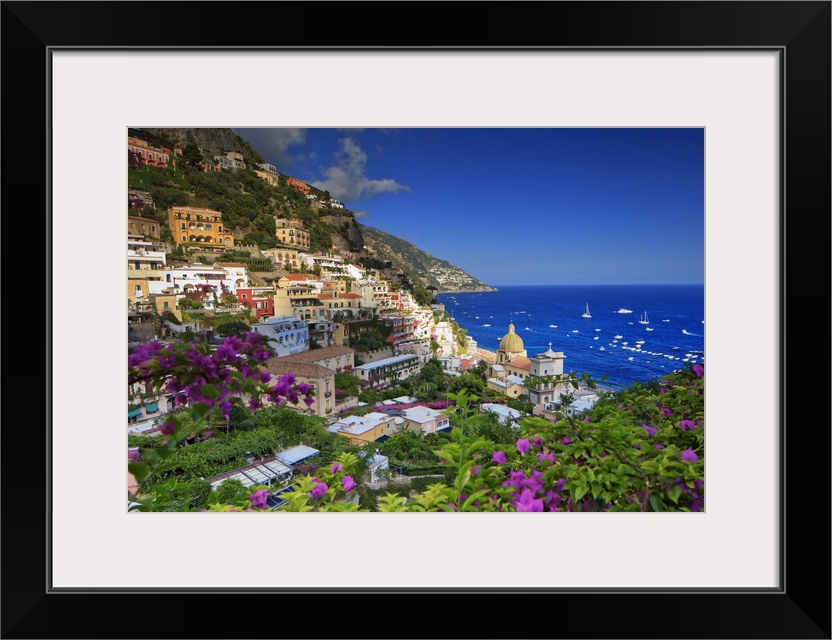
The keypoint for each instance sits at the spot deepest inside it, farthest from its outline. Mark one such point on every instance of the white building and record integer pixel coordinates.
(336, 204)
(290, 335)
(505, 413)
(143, 260)
(425, 419)
(388, 370)
(226, 279)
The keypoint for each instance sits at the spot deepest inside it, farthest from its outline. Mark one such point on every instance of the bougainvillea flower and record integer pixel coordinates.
(559, 485)
(319, 490)
(259, 498)
(659, 446)
(667, 412)
(537, 442)
(167, 428)
(535, 483)
(523, 445)
(348, 482)
(686, 424)
(566, 440)
(476, 469)
(688, 455)
(549, 456)
(133, 454)
(516, 479)
(527, 502)
(650, 430)
(698, 370)
(335, 467)
(499, 457)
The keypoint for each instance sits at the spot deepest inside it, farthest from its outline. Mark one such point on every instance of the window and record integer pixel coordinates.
(138, 291)
(166, 305)
(184, 238)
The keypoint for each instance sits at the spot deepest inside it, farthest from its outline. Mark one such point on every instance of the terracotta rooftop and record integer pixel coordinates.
(282, 366)
(520, 363)
(317, 355)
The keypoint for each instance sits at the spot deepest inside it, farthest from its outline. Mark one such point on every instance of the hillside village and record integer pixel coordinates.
(289, 262)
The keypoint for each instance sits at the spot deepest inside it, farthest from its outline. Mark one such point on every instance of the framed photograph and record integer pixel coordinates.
(753, 76)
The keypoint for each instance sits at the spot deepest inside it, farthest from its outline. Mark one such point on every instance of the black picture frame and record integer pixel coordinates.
(800, 608)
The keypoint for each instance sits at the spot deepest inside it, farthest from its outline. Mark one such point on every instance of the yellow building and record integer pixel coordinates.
(199, 229)
(320, 378)
(290, 233)
(369, 428)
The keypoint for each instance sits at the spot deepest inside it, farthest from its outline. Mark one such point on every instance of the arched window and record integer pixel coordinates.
(209, 227)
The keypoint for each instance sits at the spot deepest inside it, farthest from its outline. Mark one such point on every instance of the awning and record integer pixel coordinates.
(152, 407)
(134, 413)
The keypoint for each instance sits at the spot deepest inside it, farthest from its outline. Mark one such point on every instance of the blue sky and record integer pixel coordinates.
(518, 205)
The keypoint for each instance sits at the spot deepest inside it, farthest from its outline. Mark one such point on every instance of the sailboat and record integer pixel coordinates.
(644, 319)
(586, 314)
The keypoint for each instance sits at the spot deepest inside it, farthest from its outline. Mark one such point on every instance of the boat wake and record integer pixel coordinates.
(688, 333)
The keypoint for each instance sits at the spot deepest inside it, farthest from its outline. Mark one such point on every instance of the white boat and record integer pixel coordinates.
(618, 337)
(597, 338)
(623, 310)
(600, 348)
(574, 331)
(649, 328)
(630, 358)
(586, 314)
(644, 319)
(597, 329)
(553, 326)
(486, 325)
(665, 320)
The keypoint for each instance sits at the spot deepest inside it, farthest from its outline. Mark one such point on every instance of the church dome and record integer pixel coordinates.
(511, 341)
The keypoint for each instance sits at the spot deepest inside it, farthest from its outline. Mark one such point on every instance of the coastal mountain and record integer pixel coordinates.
(249, 206)
(419, 264)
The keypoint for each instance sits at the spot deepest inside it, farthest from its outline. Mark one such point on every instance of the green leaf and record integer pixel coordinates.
(581, 491)
(674, 493)
(200, 409)
(140, 471)
(210, 391)
(597, 489)
(656, 502)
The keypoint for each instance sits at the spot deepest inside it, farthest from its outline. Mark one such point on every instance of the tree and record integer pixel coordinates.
(348, 383)
(233, 328)
(191, 154)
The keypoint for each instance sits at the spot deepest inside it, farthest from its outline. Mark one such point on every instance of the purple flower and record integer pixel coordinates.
(650, 430)
(566, 440)
(698, 370)
(335, 467)
(167, 428)
(476, 469)
(133, 454)
(537, 442)
(667, 412)
(686, 424)
(523, 445)
(517, 479)
(304, 387)
(588, 420)
(559, 485)
(527, 502)
(535, 483)
(259, 498)
(549, 456)
(689, 456)
(659, 446)
(499, 457)
(637, 446)
(348, 482)
(309, 401)
(319, 490)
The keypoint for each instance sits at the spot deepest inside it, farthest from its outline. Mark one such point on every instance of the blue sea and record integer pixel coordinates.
(674, 337)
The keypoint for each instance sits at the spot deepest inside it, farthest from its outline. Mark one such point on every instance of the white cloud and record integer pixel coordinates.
(273, 144)
(347, 179)
(361, 214)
